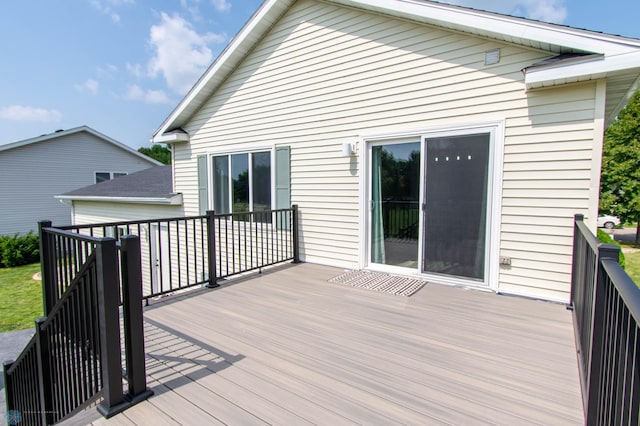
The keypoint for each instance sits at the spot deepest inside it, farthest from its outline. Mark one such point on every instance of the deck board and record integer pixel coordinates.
(286, 347)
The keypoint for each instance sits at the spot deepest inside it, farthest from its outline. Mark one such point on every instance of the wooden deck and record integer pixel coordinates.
(286, 347)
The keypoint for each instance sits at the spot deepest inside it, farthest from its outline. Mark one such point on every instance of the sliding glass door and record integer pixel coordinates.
(429, 204)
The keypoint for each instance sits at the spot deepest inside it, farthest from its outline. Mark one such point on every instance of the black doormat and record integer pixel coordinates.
(378, 281)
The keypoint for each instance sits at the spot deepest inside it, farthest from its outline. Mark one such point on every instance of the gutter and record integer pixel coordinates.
(174, 200)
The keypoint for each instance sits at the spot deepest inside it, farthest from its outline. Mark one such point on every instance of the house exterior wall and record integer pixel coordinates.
(33, 174)
(90, 212)
(325, 75)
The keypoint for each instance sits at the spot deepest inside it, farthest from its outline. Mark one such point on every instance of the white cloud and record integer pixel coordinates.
(26, 113)
(544, 10)
(135, 70)
(181, 54)
(193, 7)
(107, 7)
(136, 93)
(107, 71)
(221, 5)
(90, 86)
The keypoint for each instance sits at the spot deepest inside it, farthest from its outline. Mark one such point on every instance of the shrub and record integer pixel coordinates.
(607, 239)
(19, 250)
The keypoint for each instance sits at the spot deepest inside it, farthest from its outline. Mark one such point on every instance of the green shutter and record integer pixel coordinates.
(283, 177)
(283, 183)
(203, 185)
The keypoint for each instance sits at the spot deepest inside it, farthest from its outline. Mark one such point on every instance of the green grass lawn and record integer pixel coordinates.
(633, 266)
(20, 297)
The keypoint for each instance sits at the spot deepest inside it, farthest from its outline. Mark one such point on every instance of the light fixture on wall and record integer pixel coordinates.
(348, 149)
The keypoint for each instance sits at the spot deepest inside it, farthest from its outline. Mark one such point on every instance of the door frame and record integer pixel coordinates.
(160, 257)
(494, 196)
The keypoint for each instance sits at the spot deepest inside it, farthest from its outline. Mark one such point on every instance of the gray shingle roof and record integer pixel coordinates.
(154, 182)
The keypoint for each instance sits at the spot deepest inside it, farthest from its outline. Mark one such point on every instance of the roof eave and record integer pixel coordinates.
(171, 138)
(72, 131)
(503, 27)
(596, 68)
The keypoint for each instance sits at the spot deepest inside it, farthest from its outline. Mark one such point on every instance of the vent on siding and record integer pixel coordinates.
(492, 57)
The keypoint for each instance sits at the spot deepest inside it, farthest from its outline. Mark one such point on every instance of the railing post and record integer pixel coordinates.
(211, 249)
(294, 233)
(109, 320)
(133, 323)
(594, 378)
(576, 264)
(8, 388)
(47, 268)
(44, 372)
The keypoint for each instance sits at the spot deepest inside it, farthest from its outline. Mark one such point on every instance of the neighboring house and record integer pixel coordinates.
(416, 137)
(34, 170)
(142, 195)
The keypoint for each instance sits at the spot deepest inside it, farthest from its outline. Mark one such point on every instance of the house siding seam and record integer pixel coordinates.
(325, 75)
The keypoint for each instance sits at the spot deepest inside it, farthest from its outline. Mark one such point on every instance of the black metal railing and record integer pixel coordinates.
(179, 253)
(401, 219)
(75, 356)
(606, 305)
(250, 241)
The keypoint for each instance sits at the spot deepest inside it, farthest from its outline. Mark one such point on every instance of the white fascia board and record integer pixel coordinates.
(487, 22)
(175, 200)
(565, 73)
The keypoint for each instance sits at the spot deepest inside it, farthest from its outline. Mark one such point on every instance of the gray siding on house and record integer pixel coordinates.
(32, 174)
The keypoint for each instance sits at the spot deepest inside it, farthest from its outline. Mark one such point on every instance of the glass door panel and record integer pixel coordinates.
(395, 204)
(455, 216)
(240, 182)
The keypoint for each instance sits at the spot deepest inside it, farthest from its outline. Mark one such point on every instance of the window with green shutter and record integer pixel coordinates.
(243, 181)
(203, 185)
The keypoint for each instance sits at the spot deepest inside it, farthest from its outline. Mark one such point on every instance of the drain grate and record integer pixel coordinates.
(377, 281)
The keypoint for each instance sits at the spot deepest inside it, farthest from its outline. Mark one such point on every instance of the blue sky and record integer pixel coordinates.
(121, 66)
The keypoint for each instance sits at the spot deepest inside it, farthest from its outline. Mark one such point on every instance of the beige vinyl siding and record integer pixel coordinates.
(89, 212)
(547, 179)
(325, 75)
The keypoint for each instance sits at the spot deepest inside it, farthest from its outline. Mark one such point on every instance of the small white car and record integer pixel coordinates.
(607, 221)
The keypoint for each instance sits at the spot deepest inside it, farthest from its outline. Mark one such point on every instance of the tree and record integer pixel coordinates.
(620, 179)
(158, 152)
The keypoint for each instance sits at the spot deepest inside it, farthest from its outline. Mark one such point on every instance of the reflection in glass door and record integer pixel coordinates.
(455, 216)
(395, 204)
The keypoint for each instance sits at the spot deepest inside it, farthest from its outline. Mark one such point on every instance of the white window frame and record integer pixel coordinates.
(111, 175)
(228, 153)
